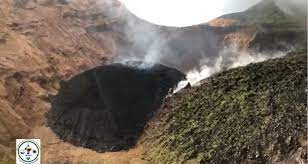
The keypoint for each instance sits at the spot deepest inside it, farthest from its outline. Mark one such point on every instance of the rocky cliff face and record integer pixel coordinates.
(45, 41)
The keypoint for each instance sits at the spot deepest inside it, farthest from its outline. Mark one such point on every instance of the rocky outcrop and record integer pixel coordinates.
(12, 125)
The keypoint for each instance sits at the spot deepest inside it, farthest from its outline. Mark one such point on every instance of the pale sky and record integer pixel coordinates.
(184, 12)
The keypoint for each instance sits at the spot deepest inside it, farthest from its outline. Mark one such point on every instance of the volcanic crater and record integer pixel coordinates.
(106, 108)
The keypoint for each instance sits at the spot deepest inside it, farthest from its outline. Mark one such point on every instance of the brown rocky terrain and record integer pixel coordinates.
(45, 41)
(38, 47)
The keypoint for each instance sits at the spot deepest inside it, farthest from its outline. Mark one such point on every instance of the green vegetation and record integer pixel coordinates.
(265, 12)
(251, 113)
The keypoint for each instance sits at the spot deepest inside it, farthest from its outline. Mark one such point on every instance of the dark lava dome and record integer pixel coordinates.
(106, 108)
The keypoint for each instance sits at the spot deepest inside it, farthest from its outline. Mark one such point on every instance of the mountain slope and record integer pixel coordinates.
(264, 12)
(45, 41)
(38, 47)
(263, 28)
(254, 113)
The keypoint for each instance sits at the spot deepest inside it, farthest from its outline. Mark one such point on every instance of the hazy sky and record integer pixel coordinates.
(184, 12)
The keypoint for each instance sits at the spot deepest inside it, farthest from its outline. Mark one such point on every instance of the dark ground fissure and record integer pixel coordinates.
(106, 108)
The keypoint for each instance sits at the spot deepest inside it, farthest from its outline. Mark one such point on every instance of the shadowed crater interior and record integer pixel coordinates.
(106, 108)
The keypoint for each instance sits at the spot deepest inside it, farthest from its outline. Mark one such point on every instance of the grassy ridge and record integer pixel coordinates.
(243, 114)
(267, 12)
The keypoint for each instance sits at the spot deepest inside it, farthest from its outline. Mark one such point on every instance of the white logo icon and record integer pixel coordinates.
(28, 151)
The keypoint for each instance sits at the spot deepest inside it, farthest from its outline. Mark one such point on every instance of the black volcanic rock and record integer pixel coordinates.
(106, 108)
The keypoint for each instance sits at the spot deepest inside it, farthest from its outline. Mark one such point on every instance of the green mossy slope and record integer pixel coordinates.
(265, 12)
(251, 113)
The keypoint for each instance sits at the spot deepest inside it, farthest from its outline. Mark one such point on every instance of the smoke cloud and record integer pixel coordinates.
(229, 58)
(196, 51)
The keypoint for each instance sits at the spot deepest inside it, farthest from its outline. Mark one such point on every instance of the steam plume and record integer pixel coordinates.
(197, 54)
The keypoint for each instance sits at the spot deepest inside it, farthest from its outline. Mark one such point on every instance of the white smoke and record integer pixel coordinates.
(144, 41)
(188, 53)
(230, 57)
(150, 46)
